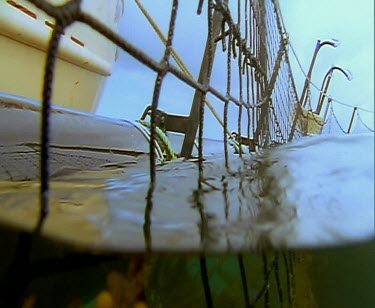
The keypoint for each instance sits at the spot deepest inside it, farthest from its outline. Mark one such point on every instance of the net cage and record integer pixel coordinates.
(246, 45)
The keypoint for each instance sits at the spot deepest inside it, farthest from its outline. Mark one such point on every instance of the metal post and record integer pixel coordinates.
(263, 58)
(309, 74)
(326, 112)
(351, 120)
(204, 78)
(323, 93)
(328, 76)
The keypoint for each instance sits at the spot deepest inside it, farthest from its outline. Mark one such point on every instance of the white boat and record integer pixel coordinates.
(85, 58)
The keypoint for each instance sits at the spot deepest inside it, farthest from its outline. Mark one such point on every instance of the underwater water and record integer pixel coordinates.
(294, 224)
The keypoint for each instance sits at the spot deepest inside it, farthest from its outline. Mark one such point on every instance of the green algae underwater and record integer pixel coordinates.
(58, 276)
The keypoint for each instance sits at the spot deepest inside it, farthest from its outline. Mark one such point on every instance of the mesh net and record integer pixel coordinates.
(259, 81)
(258, 85)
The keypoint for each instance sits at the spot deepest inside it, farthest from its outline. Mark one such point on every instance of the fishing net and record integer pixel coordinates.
(249, 40)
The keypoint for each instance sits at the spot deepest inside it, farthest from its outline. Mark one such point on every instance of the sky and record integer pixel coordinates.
(129, 89)
(351, 22)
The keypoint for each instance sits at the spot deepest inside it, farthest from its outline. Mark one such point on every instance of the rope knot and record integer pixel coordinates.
(68, 13)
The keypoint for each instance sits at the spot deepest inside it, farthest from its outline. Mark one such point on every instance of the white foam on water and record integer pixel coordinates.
(330, 182)
(315, 192)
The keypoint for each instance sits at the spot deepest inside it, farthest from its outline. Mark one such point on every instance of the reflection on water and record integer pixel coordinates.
(316, 192)
(312, 193)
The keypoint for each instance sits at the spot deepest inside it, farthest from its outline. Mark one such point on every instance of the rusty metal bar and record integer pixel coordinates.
(204, 78)
(352, 119)
(263, 57)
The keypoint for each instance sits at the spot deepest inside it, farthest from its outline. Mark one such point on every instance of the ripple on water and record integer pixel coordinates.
(314, 192)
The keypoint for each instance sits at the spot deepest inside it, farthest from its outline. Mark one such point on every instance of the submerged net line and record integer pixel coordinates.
(265, 97)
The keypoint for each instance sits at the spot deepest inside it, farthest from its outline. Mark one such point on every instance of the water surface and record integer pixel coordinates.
(315, 192)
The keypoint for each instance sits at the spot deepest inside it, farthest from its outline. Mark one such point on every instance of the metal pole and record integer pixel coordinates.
(204, 78)
(308, 77)
(323, 93)
(301, 102)
(326, 112)
(263, 58)
(351, 120)
(319, 44)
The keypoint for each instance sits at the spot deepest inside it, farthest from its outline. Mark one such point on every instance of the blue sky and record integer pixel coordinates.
(129, 89)
(352, 22)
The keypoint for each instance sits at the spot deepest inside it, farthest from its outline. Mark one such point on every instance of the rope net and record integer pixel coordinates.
(259, 81)
(258, 85)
